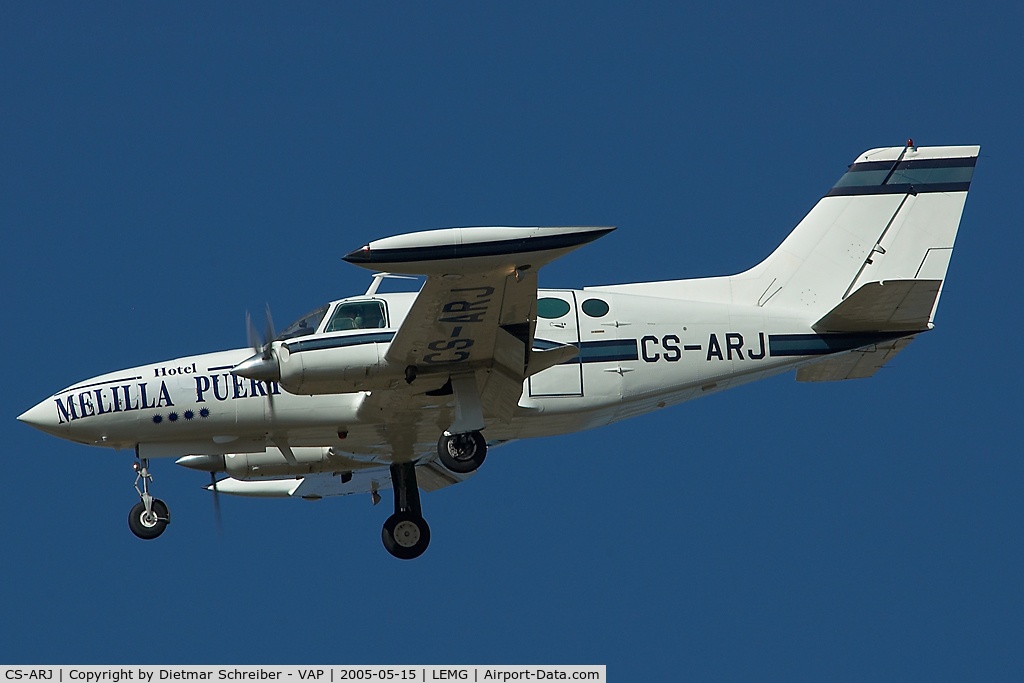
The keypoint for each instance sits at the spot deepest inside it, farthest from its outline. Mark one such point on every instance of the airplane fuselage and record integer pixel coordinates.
(640, 354)
(409, 391)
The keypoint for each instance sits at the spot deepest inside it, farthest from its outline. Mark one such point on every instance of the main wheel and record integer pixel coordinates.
(462, 453)
(152, 525)
(405, 535)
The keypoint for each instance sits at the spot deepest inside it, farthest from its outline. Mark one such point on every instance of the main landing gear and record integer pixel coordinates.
(462, 453)
(462, 447)
(150, 516)
(405, 533)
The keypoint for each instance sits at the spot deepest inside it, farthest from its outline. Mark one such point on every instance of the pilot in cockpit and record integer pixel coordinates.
(357, 316)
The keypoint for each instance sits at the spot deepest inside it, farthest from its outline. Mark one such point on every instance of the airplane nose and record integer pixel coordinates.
(42, 416)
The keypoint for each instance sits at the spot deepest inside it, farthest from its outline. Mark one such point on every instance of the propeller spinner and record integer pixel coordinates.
(262, 366)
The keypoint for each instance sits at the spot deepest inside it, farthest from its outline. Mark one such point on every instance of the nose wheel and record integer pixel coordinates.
(150, 516)
(405, 533)
(148, 524)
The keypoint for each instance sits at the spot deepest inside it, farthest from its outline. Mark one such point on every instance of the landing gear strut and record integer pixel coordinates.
(405, 533)
(462, 453)
(150, 516)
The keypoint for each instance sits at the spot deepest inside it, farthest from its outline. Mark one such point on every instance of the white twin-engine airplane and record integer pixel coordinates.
(410, 390)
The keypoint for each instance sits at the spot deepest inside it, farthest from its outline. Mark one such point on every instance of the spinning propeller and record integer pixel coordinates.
(216, 503)
(262, 346)
(212, 464)
(263, 365)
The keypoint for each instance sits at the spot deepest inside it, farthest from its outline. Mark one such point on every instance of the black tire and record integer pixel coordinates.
(148, 529)
(462, 453)
(405, 535)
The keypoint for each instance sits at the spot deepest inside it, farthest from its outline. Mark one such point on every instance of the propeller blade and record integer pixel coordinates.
(216, 503)
(267, 355)
(254, 337)
(268, 337)
(263, 369)
(270, 325)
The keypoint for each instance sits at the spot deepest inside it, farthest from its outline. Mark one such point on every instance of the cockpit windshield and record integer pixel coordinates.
(359, 315)
(307, 324)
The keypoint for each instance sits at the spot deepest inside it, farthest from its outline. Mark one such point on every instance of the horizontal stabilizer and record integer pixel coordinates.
(892, 306)
(853, 365)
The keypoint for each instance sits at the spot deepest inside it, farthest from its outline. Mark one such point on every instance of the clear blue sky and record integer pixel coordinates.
(164, 167)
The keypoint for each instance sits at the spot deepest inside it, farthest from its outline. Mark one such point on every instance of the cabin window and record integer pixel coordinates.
(550, 307)
(307, 324)
(362, 315)
(595, 308)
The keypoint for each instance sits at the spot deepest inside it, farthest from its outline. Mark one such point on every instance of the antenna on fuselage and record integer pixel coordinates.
(379, 277)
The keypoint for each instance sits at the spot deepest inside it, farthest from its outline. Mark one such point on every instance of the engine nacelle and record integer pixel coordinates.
(272, 463)
(334, 365)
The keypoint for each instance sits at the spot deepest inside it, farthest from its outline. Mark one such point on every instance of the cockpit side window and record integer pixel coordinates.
(361, 315)
(307, 324)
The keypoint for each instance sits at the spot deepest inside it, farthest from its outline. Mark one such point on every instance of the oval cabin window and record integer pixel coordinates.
(595, 308)
(550, 307)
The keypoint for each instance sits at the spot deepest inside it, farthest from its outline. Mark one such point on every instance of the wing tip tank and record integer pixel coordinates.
(461, 244)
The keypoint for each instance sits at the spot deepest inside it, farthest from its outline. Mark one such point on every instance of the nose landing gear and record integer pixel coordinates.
(150, 516)
(405, 533)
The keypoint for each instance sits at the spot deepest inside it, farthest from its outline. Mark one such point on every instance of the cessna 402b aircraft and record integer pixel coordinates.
(410, 390)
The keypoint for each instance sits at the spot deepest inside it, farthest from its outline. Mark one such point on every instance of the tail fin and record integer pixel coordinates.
(893, 216)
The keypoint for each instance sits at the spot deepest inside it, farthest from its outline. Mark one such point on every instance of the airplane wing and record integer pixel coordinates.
(470, 330)
(469, 323)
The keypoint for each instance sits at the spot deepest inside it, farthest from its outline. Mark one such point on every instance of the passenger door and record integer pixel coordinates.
(558, 322)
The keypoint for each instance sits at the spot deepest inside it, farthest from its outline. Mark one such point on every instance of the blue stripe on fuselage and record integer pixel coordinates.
(595, 351)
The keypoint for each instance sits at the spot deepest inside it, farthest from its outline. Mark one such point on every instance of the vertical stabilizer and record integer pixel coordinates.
(892, 216)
